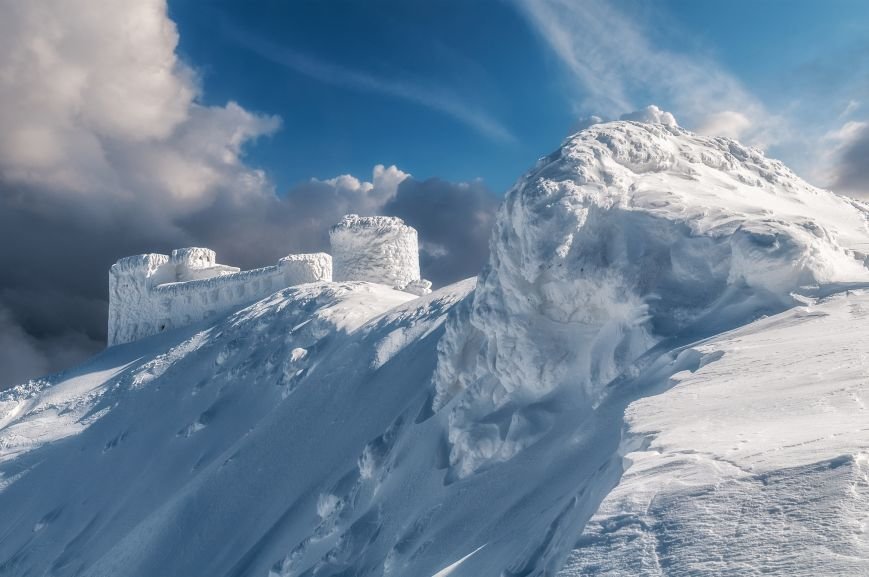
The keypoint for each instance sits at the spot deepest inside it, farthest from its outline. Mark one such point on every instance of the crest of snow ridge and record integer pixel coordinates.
(627, 235)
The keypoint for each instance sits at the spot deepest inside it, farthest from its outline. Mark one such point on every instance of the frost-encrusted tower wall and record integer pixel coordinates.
(378, 249)
(150, 293)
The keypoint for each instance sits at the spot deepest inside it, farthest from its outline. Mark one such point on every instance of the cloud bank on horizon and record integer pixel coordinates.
(108, 149)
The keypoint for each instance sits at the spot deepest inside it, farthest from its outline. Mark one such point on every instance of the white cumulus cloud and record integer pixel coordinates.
(729, 123)
(652, 115)
(95, 102)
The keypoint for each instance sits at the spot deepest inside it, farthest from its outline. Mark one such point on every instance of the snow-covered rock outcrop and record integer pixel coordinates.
(379, 249)
(630, 234)
(151, 293)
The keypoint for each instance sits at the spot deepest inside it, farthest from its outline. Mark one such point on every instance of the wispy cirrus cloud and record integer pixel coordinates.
(615, 64)
(424, 94)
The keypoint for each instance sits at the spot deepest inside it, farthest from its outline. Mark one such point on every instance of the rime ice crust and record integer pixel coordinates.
(378, 249)
(153, 292)
(627, 235)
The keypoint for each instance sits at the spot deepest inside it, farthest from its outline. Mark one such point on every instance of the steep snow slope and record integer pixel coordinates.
(164, 413)
(350, 429)
(277, 441)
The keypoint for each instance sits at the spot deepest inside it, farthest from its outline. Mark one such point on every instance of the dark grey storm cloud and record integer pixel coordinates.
(21, 355)
(54, 256)
(454, 221)
(256, 230)
(851, 168)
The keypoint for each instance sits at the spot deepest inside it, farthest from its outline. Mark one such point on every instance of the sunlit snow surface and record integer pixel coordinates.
(757, 463)
(669, 340)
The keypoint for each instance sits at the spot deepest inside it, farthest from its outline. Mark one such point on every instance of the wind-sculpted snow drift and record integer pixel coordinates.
(628, 235)
(352, 429)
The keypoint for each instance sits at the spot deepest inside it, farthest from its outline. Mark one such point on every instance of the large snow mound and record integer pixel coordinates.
(628, 235)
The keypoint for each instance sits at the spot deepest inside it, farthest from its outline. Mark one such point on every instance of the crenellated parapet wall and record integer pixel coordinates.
(151, 293)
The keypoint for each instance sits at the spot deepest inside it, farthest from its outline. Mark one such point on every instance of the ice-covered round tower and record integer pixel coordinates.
(380, 249)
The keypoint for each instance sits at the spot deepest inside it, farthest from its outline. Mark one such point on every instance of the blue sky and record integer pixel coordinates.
(464, 90)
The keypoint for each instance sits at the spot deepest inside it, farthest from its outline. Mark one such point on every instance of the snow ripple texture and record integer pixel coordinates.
(628, 235)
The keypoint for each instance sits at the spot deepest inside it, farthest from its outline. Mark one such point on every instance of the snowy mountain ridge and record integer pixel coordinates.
(637, 354)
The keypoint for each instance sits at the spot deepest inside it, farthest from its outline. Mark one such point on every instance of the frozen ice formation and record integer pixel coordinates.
(151, 293)
(628, 235)
(379, 249)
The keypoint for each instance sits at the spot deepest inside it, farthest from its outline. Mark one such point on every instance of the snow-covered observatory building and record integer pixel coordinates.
(151, 293)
